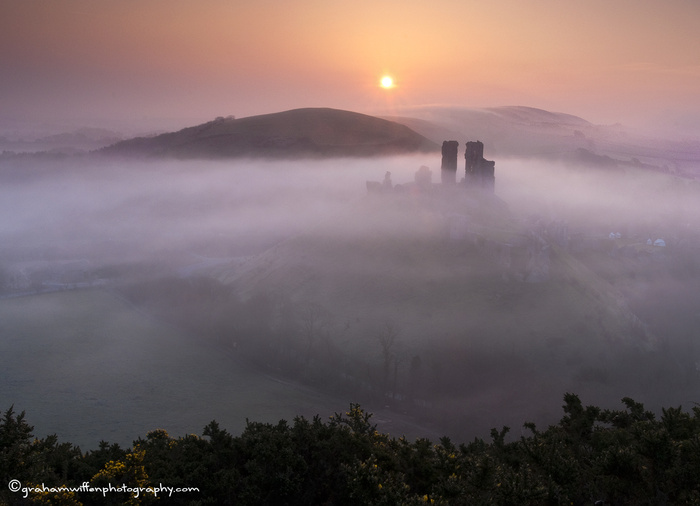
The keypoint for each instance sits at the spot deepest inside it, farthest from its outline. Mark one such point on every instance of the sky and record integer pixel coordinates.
(180, 62)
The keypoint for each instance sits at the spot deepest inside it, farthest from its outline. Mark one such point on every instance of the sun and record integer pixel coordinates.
(386, 82)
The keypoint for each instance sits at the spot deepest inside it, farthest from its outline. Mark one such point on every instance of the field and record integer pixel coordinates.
(87, 366)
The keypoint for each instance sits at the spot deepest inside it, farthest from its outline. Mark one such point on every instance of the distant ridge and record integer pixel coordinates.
(507, 130)
(298, 133)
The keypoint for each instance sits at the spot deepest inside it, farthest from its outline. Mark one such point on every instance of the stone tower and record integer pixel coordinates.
(479, 173)
(448, 174)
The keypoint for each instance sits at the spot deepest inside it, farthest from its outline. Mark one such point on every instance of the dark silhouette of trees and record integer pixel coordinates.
(592, 456)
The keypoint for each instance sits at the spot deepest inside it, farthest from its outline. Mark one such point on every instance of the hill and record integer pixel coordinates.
(519, 131)
(509, 130)
(311, 132)
(451, 302)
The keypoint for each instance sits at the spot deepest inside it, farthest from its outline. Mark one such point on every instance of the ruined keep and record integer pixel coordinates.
(448, 174)
(478, 171)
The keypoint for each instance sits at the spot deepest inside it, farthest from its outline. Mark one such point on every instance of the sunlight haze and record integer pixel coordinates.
(182, 61)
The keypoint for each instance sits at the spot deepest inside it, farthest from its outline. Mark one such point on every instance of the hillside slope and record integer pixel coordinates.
(445, 266)
(510, 130)
(535, 133)
(482, 309)
(311, 132)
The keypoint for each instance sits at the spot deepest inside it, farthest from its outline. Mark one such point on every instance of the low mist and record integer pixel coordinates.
(454, 309)
(172, 207)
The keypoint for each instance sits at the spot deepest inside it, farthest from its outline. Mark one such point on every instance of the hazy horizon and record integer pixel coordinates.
(167, 65)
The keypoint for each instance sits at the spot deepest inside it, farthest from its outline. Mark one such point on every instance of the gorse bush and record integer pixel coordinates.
(592, 456)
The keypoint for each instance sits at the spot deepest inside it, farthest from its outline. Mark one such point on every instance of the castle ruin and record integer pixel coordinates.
(448, 173)
(478, 172)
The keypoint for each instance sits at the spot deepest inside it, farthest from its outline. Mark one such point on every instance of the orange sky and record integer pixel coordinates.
(191, 60)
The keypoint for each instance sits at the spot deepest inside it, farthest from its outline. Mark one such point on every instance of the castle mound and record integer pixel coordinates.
(299, 133)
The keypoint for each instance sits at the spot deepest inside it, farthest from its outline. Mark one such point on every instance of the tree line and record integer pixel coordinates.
(592, 456)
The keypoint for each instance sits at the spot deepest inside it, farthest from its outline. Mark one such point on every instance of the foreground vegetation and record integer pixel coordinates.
(593, 456)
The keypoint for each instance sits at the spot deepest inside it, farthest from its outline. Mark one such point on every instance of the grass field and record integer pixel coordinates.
(87, 366)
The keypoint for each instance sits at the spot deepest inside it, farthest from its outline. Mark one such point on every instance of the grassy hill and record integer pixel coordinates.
(395, 256)
(471, 333)
(312, 132)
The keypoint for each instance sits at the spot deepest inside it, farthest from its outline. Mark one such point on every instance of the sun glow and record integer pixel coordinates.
(386, 82)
